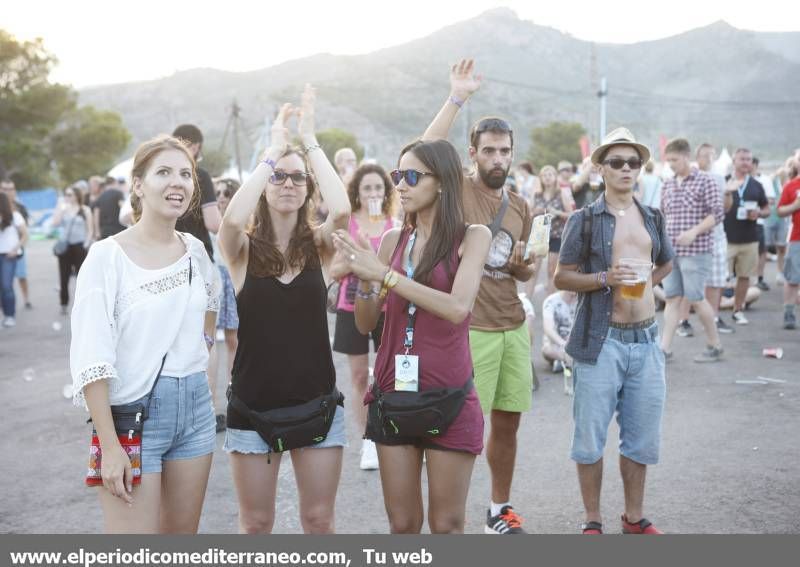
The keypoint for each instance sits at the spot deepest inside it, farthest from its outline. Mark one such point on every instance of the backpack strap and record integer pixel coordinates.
(498, 219)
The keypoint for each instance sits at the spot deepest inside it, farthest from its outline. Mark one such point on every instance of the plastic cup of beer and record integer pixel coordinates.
(375, 208)
(634, 289)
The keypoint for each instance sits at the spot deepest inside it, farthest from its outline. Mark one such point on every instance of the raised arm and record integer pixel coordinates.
(233, 241)
(330, 185)
(463, 84)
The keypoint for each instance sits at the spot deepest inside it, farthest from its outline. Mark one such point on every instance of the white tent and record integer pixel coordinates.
(122, 169)
(723, 164)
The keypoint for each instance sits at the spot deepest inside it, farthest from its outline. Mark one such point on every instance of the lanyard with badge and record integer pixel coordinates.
(741, 210)
(406, 366)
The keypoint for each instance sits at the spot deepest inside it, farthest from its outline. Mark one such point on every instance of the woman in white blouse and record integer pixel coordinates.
(144, 293)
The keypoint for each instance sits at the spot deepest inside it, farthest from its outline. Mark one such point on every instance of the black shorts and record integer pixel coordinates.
(348, 340)
(555, 245)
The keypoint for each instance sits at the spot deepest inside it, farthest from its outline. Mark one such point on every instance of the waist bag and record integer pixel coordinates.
(418, 414)
(284, 429)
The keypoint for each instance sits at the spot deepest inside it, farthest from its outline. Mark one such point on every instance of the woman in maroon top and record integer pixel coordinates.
(445, 259)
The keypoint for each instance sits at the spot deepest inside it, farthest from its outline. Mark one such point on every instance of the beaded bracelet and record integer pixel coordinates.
(309, 149)
(366, 294)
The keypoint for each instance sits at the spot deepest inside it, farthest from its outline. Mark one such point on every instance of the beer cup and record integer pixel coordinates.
(634, 289)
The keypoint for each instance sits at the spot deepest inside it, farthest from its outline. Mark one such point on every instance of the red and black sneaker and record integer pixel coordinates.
(642, 527)
(507, 522)
(592, 528)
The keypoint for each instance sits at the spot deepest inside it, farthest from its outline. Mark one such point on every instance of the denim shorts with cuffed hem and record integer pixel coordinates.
(628, 379)
(688, 277)
(181, 424)
(250, 442)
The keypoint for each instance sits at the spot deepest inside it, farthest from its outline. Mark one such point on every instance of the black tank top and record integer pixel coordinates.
(284, 354)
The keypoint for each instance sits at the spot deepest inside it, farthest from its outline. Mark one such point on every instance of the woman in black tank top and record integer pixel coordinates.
(284, 356)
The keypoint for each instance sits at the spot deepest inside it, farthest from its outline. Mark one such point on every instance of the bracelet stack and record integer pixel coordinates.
(390, 280)
(602, 279)
(366, 294)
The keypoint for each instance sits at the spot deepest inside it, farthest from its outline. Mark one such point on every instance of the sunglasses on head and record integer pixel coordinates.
(227, 193)
(279, 177)
(412, 176)
(619, 163)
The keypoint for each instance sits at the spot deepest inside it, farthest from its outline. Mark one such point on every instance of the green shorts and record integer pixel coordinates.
(502, 366)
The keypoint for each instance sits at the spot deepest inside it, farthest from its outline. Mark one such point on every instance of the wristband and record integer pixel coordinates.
(209, 340)
(366, 294)
(270, 162)
(309, 149)
(457, 101)
(602, 279)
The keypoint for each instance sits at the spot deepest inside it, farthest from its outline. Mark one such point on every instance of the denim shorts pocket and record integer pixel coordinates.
(201, 406)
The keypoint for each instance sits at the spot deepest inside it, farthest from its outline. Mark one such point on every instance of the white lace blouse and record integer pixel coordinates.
(126, 318)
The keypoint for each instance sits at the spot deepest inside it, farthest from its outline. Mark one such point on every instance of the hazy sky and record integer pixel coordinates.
(101, 42)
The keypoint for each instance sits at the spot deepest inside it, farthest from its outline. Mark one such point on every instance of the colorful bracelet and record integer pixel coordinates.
(366, 294)
(209, 340)
(602, 279)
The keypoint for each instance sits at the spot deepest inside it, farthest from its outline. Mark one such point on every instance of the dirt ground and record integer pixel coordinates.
(730, 459)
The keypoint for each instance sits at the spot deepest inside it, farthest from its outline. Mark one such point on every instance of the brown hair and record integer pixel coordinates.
(388, 196)
(265, 258)
(678, 146)
(491, 124)
(144, 157)
(448, 227)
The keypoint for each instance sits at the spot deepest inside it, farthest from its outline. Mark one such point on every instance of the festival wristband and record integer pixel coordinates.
(457, 101)
(270, 162)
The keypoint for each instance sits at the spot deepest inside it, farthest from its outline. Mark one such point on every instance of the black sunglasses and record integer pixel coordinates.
(280, 177)
(412, 176)
(619, 163)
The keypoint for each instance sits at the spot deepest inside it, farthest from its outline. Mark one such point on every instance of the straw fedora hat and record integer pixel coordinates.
(620, 137)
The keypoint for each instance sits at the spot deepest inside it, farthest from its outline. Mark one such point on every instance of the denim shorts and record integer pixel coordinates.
(250, 442)
(181, 424)
(688, 277)
(628, 379)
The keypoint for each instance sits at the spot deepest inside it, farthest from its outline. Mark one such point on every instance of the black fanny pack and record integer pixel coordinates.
(285, 429)
(417, 414)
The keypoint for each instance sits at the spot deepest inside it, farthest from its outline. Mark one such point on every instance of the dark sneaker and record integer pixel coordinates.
(668, 356)
(558, 367)
(789, 320)
(507, 522)
(711, 354)
(220, 423)
(28, 305)
(762, 285)
(724, 328)
(592, 528)
(642, 527)
(685, 329)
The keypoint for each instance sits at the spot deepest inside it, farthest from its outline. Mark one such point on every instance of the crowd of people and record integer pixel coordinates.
(430, 262)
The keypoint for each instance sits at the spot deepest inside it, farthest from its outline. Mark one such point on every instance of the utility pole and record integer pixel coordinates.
(233, 120)
(603, 95)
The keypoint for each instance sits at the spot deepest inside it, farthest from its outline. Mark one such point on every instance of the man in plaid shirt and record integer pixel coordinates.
(692, 206)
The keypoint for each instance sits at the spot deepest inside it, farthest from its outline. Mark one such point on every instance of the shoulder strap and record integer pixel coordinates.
(586, 237)
(498, 220)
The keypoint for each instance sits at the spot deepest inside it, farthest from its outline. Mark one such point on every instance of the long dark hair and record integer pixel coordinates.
(6, 214)
(265, 258)
(78, 194)
(448, 227)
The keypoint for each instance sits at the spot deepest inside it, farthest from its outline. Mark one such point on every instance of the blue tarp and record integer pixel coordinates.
(38, 199)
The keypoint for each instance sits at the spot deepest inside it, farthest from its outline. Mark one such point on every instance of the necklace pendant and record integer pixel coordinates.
(621, 213)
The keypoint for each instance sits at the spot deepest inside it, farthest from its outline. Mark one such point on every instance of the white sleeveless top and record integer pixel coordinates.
(126, 318)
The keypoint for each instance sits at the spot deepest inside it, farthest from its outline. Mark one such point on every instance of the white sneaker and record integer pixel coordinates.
(369, 456)
(9, 322)
(779, 279)
(739, 318)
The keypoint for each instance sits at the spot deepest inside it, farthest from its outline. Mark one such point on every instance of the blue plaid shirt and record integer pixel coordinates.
(595, 307)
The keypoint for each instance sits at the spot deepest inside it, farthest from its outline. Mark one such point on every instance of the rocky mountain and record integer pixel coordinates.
(717, 83)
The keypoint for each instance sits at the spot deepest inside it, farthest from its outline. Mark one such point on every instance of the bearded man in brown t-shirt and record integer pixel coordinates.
(499, 338)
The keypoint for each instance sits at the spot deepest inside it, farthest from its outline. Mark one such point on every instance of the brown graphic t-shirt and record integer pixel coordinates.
(497, 307)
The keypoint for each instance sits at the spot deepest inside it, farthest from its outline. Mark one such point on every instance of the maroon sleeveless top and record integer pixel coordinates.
(443, 350)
